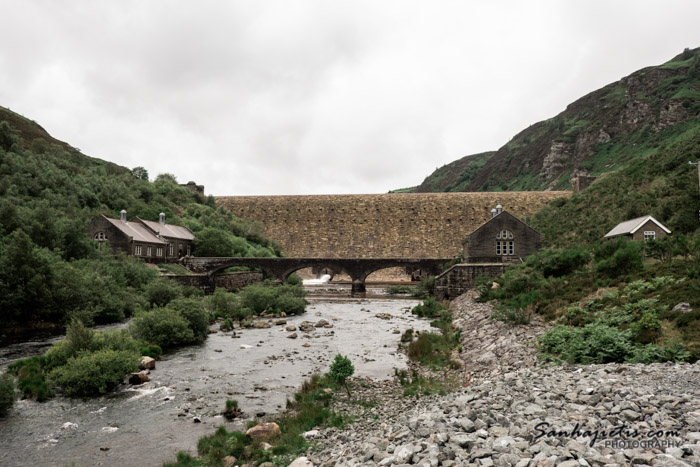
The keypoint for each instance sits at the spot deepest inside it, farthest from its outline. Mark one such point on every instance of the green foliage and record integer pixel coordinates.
(196, 315)
(161, 291)
(559, 262)
(256, 299)
(593, 343)
(294, 279)
(400, 289)
(165, 327)
(30, 376)
(340, 370)
(94, 373)
(430, 308)
(153, 351)
(626, 257)
(7, 393)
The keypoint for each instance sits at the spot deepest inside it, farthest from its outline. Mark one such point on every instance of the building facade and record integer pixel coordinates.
(137, 239)
(503, 238)
(641, 229)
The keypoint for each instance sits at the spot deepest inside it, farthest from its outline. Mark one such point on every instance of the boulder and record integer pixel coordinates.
(383, 316)
(322, 323)
(292, 336)
(280, 322)
(683, 307)
(138, 378)
(229, 461)
(302, 461)
(264, 432)
(290, 328)
(307, 326)
(261, 325)
(147, 363)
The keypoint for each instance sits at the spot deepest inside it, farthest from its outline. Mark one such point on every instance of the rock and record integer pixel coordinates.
(383, 316)
(264, 431)
(246, 346)
(197, 420)
(147, 363)
(306, 344)
(292, 336)
(265, 446)
(280, 322)
(218, 350)
(301, 462)
(396, 331)
(138, 378)
(306, 326)
(310, 434)
(322, 323)
(229, 461)
(290, 328)
(683, 307)
(261, 325)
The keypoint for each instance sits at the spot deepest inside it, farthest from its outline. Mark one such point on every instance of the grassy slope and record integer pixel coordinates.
(597, 134)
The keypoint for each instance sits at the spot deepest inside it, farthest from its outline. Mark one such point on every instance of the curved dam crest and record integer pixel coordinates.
(399, 225)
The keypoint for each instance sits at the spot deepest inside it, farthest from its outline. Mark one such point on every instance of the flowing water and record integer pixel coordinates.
(147, 425)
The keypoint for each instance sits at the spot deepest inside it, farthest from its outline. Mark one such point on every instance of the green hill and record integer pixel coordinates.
(599, 133)
(49, 192)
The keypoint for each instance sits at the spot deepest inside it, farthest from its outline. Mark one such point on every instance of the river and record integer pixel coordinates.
(148, 425)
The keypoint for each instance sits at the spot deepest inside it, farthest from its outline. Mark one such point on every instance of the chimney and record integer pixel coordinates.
(499, 209)
(123, 216)
(161, 218)
(493, 213)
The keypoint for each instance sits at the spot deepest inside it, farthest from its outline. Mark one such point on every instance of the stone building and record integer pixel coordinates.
(640, 229)
(159, 243)
(503, 238)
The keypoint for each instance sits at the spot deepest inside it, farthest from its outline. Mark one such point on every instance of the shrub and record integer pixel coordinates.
(162, 326)
(594, 343)
(626, 257)
(340, 370)
(193, 311)
(161, 291)
(30, 376)
(294, 279)
(153, 351)
(7, 393)
(559, 263)
(430, 308)
(95, 373)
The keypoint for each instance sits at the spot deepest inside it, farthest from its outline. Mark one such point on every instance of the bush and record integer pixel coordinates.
(193, 311)
(7, 393)
(161, 291)
(265, 297)
(430, 308)
(626, 257)
(341, 369)
(162, 326)
(95, 373)
(594, 343)
(559, 263)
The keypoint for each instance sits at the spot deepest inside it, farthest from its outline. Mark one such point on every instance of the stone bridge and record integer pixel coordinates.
(280, 268)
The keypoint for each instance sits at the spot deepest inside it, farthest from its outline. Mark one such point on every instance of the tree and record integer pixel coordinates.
(341, 369)
(140, 173)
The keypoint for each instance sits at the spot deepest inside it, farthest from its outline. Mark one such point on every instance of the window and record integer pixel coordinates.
(188, 250)
(171, 250)
(148, 251)
(137, 250)
(100, 236)
(159, 251)
(505, 245)
(649, 235)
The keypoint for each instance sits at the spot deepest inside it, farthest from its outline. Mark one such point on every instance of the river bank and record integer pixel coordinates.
(148, 424)
(516, 412)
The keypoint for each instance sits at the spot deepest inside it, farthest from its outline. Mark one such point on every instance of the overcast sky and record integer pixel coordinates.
(268, 97)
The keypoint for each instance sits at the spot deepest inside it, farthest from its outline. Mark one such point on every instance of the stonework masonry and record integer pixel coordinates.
(400, 225)
(229, 281)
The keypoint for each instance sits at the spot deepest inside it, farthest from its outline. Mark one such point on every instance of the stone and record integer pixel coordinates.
(683, 307)
(265, 446)
(138, 378)
(261, 325)
(280, 322)
(147, 363)
(229, 461)
(292, 336)
(306, 344)
(290, 328)
(264, 432)
(383, 316)
(306, 326)
(302, 461)
(322, 323)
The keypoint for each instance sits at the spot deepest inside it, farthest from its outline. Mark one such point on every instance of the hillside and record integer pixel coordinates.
(49, 192)
(599, 133)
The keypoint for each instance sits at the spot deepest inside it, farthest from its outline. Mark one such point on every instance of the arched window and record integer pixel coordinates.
(100, 236)
(505, 244)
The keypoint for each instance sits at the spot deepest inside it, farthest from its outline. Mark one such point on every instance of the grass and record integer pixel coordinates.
(173, 268)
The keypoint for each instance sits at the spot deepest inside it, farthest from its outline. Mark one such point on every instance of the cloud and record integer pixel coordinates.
(312, 96)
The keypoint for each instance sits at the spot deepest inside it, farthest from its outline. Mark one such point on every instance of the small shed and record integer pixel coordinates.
(640, 229)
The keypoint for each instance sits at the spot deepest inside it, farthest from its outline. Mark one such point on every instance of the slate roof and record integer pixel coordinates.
(169, 230)
(631, 226)
(137, 231)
